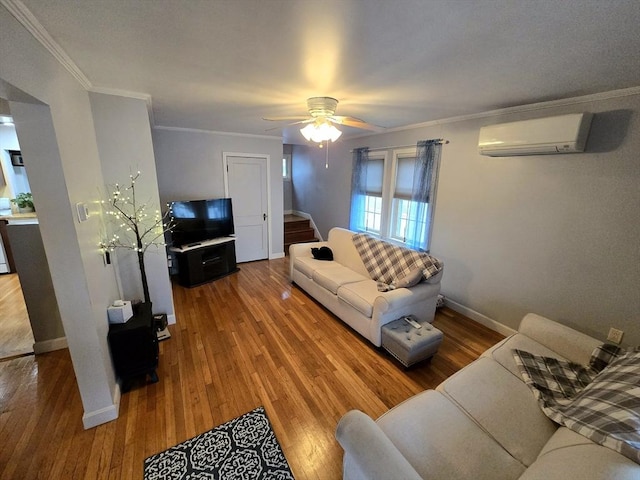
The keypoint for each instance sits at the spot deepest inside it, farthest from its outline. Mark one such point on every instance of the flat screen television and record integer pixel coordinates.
(199, 220)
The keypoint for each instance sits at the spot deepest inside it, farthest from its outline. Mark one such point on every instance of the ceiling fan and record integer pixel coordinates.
(321, 121)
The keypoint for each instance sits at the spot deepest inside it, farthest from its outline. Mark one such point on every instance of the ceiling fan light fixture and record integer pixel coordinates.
(320, 133)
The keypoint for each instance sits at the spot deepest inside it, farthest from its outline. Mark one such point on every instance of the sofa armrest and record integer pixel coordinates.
(571, 344)
(371, 450)
(401, 297)
(299, 250)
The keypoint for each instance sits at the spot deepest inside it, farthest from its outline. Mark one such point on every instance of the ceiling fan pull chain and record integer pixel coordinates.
(326, 162)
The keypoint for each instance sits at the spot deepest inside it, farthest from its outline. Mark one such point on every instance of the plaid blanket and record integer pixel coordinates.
(604, 406)
(387, 263)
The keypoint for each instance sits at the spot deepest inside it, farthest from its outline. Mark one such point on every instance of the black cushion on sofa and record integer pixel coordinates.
(322, 253)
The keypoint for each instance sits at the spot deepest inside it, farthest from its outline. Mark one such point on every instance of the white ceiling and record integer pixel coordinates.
(222, 65)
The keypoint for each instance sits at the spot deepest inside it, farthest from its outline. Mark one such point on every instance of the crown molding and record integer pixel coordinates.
(128, 94)
(35, 28)
(214, 132)
(624, 92)
(121, 93)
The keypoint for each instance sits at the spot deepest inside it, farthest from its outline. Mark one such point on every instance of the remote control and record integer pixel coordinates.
(412, 322)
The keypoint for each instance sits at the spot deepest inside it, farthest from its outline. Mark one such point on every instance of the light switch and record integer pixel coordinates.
(83, 212)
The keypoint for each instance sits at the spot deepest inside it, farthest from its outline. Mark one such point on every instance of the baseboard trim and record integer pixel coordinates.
(50, 345)
(480, 318)
(104, 415)
(274, 256)
(171, 319)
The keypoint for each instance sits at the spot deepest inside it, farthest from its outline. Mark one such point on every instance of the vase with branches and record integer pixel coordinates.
(133, 227)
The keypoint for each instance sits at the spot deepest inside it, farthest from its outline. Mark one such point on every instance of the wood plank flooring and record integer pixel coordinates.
(16, 337)
(246, 340)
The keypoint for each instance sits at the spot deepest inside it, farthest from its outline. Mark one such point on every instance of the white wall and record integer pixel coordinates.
(124, 141)
(189, 165)
(57, 138)
(287, 186)
(557, 235)
(325, 193)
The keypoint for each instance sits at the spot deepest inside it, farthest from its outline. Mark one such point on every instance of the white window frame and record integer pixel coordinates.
(379, 156)
(388, 215)
(286, 165)
(398, 155)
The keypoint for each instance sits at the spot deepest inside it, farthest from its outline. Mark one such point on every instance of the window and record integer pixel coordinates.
(405, 213)
(387, 205)
(373, 195)
(286, 166)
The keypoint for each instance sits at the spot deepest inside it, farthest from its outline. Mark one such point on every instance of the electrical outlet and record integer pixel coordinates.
(615, 335)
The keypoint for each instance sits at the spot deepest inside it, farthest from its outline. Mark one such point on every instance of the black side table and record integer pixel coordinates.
(134, 348)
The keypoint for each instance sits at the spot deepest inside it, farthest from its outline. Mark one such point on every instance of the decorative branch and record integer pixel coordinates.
(139, 231)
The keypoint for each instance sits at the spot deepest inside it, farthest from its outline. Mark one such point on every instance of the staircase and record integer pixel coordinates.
(297, 230)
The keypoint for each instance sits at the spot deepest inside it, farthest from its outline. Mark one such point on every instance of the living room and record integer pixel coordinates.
(556, 235)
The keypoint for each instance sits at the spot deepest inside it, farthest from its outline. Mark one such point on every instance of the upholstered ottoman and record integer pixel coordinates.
(409, 344)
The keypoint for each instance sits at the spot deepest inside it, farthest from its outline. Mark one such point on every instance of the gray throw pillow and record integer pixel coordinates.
(412, 278)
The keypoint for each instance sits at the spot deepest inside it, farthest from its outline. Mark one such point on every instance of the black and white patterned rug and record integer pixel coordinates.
(244, 448)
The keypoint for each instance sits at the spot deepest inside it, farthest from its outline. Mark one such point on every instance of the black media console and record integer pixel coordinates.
(205, 261)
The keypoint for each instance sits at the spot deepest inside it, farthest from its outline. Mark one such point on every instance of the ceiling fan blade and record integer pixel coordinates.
(355, 122)
(286, 119)
(308, 120)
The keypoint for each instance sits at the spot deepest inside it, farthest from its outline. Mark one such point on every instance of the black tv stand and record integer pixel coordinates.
(205, 261)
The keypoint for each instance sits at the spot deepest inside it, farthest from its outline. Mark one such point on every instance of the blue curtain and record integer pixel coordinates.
(358, 189)
(424, 176)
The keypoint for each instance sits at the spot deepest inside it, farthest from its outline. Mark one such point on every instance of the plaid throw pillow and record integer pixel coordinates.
(387, 263)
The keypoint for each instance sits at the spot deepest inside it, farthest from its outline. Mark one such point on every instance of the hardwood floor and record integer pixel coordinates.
(16, 337)
(246, 340)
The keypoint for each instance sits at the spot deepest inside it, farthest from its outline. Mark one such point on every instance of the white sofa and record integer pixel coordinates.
(346, 289)
(483, 423)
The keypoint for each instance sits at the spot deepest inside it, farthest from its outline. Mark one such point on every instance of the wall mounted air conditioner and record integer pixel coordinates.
(542, 136)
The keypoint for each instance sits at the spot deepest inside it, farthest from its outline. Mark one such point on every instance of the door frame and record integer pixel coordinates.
(225, 173)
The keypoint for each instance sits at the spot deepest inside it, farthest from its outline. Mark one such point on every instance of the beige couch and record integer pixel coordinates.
(483, 423)
(346, 289)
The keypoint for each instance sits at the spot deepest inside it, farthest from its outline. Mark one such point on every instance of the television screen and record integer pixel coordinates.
(199, 220)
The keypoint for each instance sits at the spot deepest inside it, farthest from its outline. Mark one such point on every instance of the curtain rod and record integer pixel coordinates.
(393, 147)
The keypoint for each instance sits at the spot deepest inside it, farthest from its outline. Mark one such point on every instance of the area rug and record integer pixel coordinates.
(244, 448)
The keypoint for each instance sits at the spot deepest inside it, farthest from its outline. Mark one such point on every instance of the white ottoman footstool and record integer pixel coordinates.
(409, 344)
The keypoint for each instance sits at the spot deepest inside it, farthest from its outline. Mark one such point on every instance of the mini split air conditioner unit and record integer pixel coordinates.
(543, 136)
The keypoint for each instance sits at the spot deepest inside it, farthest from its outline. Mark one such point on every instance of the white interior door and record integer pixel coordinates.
(247, 185)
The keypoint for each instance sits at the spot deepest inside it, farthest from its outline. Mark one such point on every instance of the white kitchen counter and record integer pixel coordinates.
(21, 218)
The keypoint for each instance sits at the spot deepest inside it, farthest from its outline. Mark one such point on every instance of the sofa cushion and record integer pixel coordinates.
(308, 265)
(436, 437)
(503, 406)
(563, 438)
(411, 279)
(344, 251)
(360, 295)
(570, 455)
(571, 344)
(333, 276)
(502, 352)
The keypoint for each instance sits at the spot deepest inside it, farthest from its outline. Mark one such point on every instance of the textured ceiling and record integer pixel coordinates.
(222, 65)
